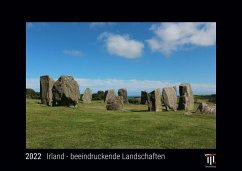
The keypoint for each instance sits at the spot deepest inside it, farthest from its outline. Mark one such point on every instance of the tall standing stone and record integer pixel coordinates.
(186, 100)
(109, 94)
(175, 88)
(46, 85)
(66, 91)
(123, 92)
(143, 97)
(154, 101)
(150, 103)
(169, 98)
(87, 96)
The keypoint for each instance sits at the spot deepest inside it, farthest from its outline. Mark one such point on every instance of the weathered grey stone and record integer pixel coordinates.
(46, 85)
(109, 94)
(175, 88)
(206, 108)
(186, 100)
(87, 96)
(66, 91)
(150, 102)
(123, 92)
(144, 97)
(154, 101)
(115, 103)
(169, 98)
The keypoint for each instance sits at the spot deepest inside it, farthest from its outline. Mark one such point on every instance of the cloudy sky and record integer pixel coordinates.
(133, 55)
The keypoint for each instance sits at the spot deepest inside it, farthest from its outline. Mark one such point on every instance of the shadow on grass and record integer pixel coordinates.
(132, 110)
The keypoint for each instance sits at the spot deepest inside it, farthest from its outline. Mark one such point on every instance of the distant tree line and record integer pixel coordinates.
(135, 100)
(98, 96)
(31, 94)
(210, 98)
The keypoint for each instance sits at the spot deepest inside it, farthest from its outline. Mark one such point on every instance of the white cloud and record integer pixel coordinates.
(72, 52)
(170, 37)
(116, 84)
(101, 24)
(122, 45)
(133, 86)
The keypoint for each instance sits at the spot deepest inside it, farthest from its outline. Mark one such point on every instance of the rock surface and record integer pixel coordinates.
(123, 92)
(175, 88)
(87, 96)
(115, 103)
(206, 108)
(186, 100)
(169, 98)
(154, 101)
(46, 85)
(66, 91)
(109, 94)
(144, 97)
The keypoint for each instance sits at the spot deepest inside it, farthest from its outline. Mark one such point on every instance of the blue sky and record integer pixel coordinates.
(133, 55)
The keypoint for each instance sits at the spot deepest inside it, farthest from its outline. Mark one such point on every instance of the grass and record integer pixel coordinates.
(92, 126)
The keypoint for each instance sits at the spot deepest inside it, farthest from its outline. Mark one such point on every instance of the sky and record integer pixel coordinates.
(133, 55)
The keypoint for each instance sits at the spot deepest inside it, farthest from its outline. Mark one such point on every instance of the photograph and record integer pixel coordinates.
(121, 85)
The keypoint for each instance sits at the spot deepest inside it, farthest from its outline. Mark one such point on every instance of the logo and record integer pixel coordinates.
(210, 160)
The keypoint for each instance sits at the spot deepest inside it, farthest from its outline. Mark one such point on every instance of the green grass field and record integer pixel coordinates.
(92, 126)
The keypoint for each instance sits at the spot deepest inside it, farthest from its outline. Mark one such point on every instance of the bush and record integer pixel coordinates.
(205, 98)
(212, 98)
(135, 100)
(98, 96)
(31, 94)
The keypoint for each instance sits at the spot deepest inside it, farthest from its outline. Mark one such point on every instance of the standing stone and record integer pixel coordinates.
(175, 88)
(206, 108)
(123, 92)
(66, 91)
(186, 100)
(87, 96)
(144, 97)
(169, 98)
(154, 101)
(109, 94)
(150, 102)
(46, 85)
(115, 103)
